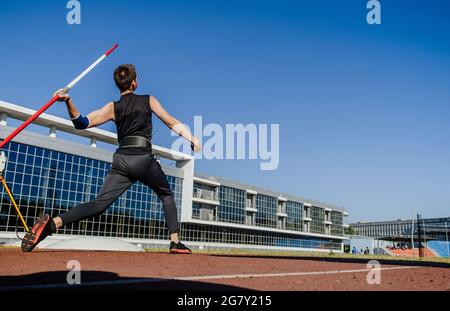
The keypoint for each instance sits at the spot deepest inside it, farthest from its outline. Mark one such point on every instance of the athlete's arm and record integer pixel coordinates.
(173, 123)
(95, 118)
(63, 97)
(102, 115)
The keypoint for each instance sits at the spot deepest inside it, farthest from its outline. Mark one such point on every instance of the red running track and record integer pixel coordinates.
(163, 271)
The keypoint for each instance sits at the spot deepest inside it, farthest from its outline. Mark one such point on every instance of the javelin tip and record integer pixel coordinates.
(115, 46)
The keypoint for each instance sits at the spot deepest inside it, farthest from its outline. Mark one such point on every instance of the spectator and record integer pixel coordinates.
(367, 251)
(354, 251)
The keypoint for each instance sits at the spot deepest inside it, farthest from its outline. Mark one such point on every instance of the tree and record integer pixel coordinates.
(350, 231)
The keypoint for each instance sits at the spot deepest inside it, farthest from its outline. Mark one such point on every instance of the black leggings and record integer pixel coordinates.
(127, 169)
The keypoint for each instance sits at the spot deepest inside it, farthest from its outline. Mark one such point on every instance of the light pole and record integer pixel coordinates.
(446, 237)
(412, 234)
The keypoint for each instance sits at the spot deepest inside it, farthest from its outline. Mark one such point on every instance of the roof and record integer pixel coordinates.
(273, 193)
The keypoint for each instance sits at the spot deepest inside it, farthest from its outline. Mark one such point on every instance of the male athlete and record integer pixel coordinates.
(132, 161)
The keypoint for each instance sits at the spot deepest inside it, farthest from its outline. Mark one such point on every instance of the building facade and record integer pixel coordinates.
(48, 174)
(435, 228)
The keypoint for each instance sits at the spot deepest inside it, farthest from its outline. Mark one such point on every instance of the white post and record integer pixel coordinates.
(3, 118)
(52, 131)
(93, 142)
(188, 188)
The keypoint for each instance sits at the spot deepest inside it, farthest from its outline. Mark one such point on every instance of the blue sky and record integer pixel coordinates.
(363, 110)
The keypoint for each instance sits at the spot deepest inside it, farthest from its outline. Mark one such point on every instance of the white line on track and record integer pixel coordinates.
(189, 278)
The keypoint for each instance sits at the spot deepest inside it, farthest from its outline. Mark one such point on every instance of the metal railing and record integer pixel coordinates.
(205, 194)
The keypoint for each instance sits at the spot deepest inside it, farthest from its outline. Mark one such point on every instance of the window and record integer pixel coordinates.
(59, 181)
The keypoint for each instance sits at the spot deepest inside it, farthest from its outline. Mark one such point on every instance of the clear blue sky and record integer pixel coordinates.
(363, 110)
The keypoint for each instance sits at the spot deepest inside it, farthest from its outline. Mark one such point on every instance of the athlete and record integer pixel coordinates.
(133, 160)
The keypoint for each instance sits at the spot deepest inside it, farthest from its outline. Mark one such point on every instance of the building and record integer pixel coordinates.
(49, 174)
(435, 228)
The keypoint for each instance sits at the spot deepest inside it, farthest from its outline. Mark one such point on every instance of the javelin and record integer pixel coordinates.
(55, 98)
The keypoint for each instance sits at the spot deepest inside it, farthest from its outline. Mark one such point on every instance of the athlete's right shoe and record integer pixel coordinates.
(41, 229)
(179, 248)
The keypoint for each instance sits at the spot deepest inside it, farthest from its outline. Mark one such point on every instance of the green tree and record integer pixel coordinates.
(350, 231)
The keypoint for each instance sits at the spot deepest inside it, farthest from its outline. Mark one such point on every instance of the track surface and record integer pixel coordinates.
(161, 271)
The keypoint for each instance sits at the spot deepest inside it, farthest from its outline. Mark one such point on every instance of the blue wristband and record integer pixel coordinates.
(80, 122)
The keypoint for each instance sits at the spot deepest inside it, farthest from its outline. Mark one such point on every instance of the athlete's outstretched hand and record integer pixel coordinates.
(195, 145)
(63, 97)
(173, 123)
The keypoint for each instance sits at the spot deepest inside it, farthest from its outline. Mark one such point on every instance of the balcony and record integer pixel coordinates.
(207, 214)
(249, 208)
(307, 212)
(205, 196)
(249, 222)
(281, 212)
(281, 209)
(250, 203)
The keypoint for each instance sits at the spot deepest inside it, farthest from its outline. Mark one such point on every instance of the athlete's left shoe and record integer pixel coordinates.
(179, 248)
(41, 229)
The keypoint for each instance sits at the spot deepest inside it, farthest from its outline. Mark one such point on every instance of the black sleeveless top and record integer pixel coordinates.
(133, 117)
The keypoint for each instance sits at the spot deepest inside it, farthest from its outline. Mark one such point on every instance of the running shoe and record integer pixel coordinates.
(41, 229)
(179, 248)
